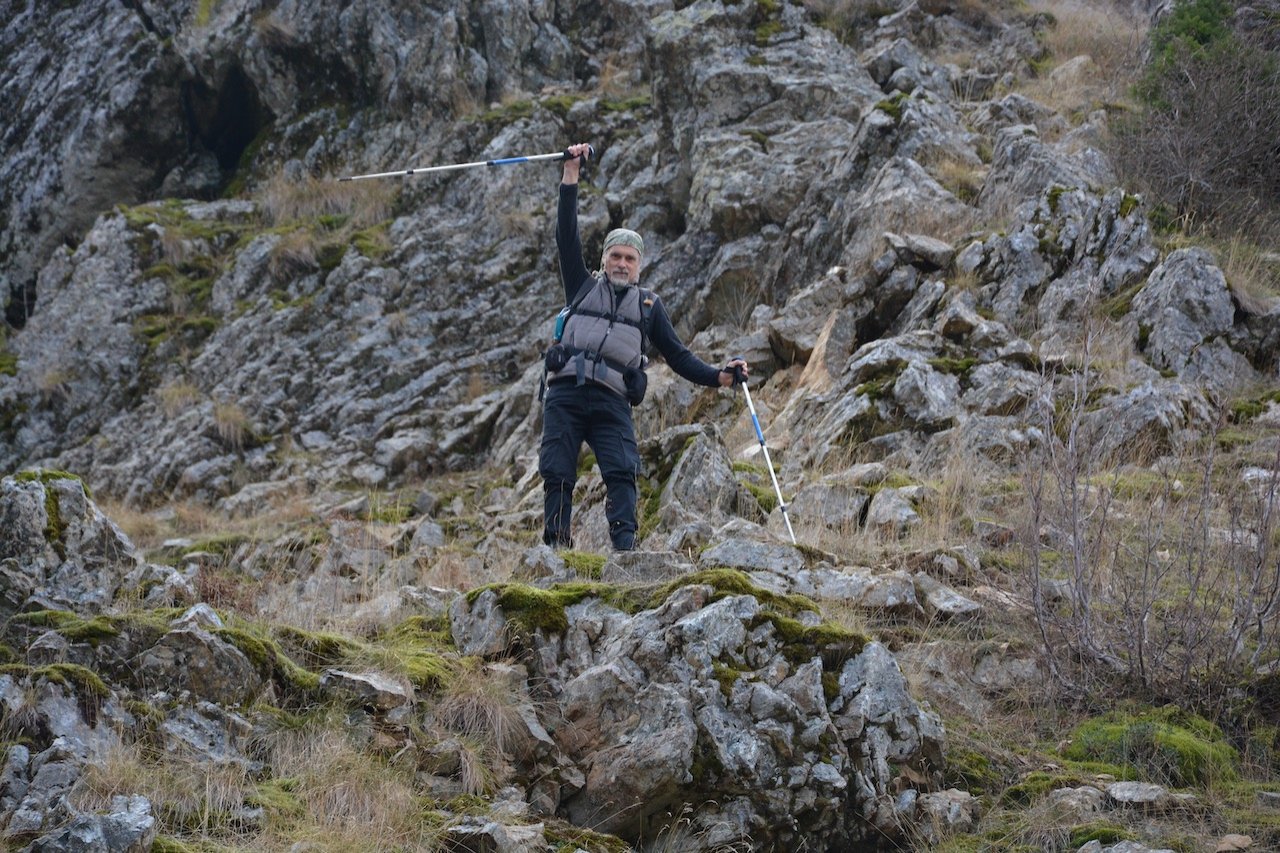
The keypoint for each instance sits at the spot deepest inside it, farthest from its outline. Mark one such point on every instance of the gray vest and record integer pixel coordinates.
(604, 334)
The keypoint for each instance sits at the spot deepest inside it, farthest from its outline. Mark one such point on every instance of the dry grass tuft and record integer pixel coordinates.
(232, 423)
(1252, 272)
(342, 797)
(192, 797)
(144, 529)
(177, 396)
(1112, 39)
(361, 203)
(483, 707)
(958, 175)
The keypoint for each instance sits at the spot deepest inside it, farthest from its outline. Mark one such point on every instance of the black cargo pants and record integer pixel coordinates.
(592, 413)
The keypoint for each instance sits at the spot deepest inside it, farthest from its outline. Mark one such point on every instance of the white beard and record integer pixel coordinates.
(619, 279)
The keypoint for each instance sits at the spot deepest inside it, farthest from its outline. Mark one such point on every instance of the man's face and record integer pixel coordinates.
(622, 265)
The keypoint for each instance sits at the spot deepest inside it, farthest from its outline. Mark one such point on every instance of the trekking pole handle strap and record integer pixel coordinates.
(739, 376)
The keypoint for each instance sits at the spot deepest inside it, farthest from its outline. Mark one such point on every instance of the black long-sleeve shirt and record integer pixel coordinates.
(574, 273)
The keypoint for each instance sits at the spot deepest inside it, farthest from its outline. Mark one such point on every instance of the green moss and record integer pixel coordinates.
(416, 649)
(389, 511)
(1054, 197)
(563, 837)
(835, 644)
(876, 389)
(893, 105)
(278, 797)
(650, 506)
(373, 242)
(204, 12)
(1129, 204)
(1104, 832)
(318, 648)
(726, 582)
(223, 545)
(167, 844)
(510, 112)
(269, 659)
(759, 137)
(955, 366)
(764, 495)
(53, 528)
(560, 104)
(85, 685)
(200, 325)
(75, 628)
(1118, 305)
(146, 711)
(726, 676)
(83, 681)
(50, 475)
(972, 771)
(767, 30)
(8, 361)
(585, 564)
(626, 105)
(1036, 785)
(1165, 745)
(706, 768)
(530, 609)
(329, 255)
(1049, 247)
(1243, 411)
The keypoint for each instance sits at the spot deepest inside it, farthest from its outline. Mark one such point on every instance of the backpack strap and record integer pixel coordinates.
(647, 300)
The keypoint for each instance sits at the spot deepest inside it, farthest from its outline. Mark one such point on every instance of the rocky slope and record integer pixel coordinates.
(920, 263)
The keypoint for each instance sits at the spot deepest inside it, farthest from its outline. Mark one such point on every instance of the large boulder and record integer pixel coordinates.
(57, 547)
(704, 696)
(1182, 318)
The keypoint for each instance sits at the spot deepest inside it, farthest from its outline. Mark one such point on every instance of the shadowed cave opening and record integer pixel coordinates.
(227, 119)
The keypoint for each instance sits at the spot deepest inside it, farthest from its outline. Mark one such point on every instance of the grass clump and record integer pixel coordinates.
(1243, 411)
(1165, 745)
(893, 105)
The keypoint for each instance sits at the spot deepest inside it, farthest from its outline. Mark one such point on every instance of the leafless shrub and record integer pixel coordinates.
(1162, 579)
(1207, 145)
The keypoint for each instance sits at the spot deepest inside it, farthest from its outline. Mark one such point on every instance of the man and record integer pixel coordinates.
(599, 369)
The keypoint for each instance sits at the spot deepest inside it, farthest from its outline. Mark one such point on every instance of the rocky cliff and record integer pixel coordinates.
(925, 266)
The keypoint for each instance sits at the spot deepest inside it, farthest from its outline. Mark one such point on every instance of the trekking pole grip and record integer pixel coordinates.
(591, 153)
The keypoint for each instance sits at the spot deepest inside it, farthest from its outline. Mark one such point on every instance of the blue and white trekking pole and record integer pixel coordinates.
(504, 161)
(740, 379)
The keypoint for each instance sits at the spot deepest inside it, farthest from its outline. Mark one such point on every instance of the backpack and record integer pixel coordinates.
(647, 300)
(557, 355)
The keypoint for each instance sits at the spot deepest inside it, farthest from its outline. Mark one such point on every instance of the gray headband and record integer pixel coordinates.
(622, 237)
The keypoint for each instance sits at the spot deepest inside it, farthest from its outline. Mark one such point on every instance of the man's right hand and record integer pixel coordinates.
(573, 166)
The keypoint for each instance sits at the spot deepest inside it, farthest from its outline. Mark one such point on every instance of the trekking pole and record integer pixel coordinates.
(740, 379)
(505, 161)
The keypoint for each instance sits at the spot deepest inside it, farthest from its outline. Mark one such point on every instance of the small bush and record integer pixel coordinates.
(1207, 141)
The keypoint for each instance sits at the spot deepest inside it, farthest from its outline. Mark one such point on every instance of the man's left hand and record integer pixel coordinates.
(734, 372)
